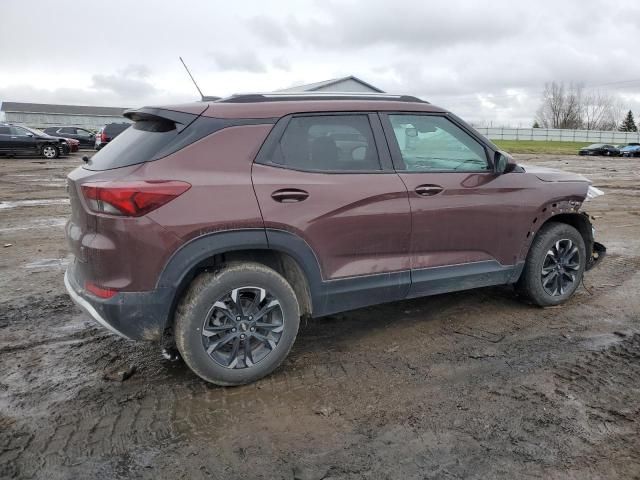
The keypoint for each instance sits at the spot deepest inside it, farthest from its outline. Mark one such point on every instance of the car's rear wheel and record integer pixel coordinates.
(50, 152)
(554, 266)
(236, 325)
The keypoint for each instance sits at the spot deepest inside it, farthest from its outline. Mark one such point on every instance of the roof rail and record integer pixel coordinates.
(308, 96)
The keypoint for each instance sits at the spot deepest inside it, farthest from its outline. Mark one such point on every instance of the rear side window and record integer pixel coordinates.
(330, 143)
(5, 131)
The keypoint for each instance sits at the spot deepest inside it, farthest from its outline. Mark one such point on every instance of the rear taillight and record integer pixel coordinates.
(131, 199)
(99, 291)
(103, 137)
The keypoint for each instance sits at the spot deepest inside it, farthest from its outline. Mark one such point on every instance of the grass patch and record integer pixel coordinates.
(534, 146)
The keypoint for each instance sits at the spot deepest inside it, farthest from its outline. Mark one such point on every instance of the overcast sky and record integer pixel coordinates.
(487, 61)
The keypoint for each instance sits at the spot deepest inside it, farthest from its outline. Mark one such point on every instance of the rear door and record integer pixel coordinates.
(328, 179)
(467, 222)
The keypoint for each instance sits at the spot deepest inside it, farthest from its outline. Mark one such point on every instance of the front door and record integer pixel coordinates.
(326, 179)
(24, 141)
(468, 224)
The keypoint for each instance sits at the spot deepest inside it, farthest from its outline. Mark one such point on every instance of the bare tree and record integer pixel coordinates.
(600, 111)
(561, 106)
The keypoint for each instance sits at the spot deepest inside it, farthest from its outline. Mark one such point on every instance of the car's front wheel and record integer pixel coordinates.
(554, 266)
(50, 152)
(236, 325)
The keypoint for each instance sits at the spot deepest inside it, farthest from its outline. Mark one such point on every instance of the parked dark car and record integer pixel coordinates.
(600, 149)
(68, 144)
(630, 151)
(108, 133)
(19, 140)
(215, 227)
(84, 136)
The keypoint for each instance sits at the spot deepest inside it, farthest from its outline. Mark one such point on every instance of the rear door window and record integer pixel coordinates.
(328, 143)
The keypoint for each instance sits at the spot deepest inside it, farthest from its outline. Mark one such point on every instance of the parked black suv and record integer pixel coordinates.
(84, 136)
(17, 140)
(108, 133)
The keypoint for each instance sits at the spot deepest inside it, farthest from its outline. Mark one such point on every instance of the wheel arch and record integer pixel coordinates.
(285, 252)
(578, 220)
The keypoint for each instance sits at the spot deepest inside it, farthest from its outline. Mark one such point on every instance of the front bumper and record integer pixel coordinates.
(132, 315)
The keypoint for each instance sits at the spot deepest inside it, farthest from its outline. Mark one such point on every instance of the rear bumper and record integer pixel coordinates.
(132, 315)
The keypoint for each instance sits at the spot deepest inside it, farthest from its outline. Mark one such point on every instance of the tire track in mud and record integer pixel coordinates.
(143, 415)
(164, 405)
(612, 272)
(605, 387)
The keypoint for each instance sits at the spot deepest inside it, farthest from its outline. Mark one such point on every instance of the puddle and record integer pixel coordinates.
(33, 203)
(55, 222)
(47, 263)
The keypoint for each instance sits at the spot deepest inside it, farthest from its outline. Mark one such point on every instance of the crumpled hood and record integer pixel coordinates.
(553, 175)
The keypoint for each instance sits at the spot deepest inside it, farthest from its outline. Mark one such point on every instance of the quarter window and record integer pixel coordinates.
(430, 143)
(328, 143)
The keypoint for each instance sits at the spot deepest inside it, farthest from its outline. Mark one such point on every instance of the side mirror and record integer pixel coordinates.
(85, 159)
(411, 132)
(502, 163)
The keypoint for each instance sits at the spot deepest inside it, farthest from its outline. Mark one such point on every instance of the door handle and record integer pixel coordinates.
(289, 195)
(428, 190)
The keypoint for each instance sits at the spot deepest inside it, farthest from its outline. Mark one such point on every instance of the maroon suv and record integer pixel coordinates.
(217, 225)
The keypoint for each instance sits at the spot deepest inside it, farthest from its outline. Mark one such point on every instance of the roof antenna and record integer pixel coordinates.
(192, 79)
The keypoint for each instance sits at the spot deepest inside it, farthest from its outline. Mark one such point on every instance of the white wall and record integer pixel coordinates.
(558, 135)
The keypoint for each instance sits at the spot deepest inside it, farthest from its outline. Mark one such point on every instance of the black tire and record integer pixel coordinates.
(50, 152)
(198, 309)
(541, 287)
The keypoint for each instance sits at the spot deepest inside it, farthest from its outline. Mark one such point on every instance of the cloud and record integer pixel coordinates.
(268, 30)
(127, 83)
(242, 61)
(281, 63)
(487, 60)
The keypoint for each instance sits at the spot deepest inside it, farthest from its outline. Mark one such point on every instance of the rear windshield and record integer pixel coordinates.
(136, 144)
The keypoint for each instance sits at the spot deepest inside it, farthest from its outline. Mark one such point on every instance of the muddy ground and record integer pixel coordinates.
(467, 385)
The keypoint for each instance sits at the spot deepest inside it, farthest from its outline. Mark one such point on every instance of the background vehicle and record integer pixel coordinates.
(599, 149)
(82, 135)
(630, 151)
(220, 225)
(18, 140)
(67, 144)
(108, 133)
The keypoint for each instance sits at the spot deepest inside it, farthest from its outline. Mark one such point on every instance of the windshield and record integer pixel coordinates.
(596, 145)
(36, 131)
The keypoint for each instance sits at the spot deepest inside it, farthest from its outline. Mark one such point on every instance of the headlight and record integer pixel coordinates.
(593, 192)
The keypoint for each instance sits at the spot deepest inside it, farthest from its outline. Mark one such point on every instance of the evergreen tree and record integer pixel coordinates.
(628, 124)
(536, 124)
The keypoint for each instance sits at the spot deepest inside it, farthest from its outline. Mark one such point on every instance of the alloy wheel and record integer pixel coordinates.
(560, 268)
(243, 327)
(49, 151)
